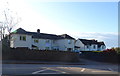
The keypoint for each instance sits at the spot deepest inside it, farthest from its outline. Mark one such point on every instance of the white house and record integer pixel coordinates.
(89, 45)
(42, 41)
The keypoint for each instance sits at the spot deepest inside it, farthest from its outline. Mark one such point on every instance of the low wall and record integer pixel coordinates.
(41, 55)
(100, 56)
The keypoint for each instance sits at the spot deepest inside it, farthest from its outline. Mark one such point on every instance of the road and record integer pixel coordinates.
(89, 67)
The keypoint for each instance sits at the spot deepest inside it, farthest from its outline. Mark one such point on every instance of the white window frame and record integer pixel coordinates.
(22, 38)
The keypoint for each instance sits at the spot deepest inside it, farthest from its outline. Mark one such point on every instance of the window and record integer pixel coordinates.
(47, 48)
(69, 49)
(36, 41)
(53, 41)
(87, 46)
(23, 38)
(69, 41)
(94, 46)
(102, 47)
(47, 41)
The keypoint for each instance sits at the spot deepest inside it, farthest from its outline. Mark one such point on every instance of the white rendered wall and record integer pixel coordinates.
(63, 44)
(42, 44)
(80, 44)
(16, 42)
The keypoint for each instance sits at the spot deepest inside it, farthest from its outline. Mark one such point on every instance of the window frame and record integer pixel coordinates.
(94, 47)
(87, 46)
(22, 38)
(69, 41)
(36, 41)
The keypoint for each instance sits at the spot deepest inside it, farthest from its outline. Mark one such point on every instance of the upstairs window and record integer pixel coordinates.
(36, 41)
(69, 41)
(23, 38)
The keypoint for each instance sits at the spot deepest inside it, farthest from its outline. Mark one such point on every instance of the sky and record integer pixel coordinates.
(79, 19)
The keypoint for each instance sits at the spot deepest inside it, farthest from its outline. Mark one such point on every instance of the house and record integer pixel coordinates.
(21, 38)
(89, 45)
(41, 41)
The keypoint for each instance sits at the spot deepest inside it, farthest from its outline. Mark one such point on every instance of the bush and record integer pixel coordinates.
(117, 50)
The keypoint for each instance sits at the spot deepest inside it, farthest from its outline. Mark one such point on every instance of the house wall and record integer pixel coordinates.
(42, 44)
(91, 47)
(16, 42)
(103, 47)
(54, 45)
(79, 44)
(87, 49)
(63, 44)
(94, 49)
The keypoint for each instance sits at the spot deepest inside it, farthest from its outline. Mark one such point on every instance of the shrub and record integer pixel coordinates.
(117, 50)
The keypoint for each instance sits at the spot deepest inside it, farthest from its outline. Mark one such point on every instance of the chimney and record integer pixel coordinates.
(38, 30)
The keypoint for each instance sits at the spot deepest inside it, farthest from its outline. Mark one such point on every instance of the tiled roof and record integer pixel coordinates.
(66, 36)
(90, 42)
(42, 35)
(100, 43)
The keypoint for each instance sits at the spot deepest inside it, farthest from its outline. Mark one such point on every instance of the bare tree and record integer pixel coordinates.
(10, 20)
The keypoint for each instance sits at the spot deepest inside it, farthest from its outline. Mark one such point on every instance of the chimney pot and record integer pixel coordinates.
(38, 30)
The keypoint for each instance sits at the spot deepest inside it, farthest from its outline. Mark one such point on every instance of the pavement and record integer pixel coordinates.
(40, 62)
(57, 68)
(81, 62)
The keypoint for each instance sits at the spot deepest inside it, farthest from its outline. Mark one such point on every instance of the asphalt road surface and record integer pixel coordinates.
(89, 67)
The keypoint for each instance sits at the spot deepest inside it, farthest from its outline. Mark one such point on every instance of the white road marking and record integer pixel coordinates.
(39, 71)
(56, 70)
(63, 72)
(83, 70)
(48, 73)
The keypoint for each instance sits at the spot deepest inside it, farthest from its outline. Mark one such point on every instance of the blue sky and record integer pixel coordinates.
(81, 16)
(91, 20)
